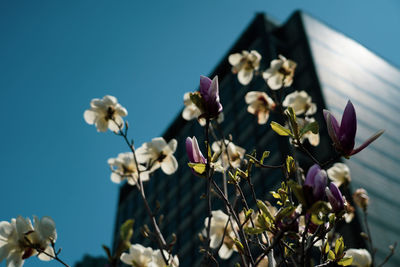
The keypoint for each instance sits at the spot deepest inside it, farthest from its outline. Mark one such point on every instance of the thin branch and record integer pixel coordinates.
(160, 238)
(391, 253)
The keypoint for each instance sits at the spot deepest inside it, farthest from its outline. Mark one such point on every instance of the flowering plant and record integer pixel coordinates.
(301, 229)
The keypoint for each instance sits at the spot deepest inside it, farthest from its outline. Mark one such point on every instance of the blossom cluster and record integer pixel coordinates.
(147, 257)
(308, 205)
(19, 240)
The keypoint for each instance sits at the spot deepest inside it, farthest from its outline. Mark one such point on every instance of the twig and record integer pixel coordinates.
(369, 236)
(160, 239)
(392, 249)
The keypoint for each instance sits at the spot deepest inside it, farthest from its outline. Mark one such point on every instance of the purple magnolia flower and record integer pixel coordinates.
(335, 198)
(314, 185)
(195, 155)
(209, 91)
(343, 136)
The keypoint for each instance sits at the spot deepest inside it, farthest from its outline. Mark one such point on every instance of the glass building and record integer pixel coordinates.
(332, 68)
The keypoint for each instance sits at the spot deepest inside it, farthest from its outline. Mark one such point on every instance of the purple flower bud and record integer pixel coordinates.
(335, 198)
(314, 185)
(209, 91)
(343, 136)
(193, 151)
(195, 156)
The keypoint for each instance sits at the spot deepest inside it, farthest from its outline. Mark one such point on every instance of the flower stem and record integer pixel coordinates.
(160, 238)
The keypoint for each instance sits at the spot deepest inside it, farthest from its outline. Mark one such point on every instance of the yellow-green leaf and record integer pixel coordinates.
(298, 192)
(316, 220)
(253, 231)
(339, 246)
(126, 230)
(289, 164)
(248, 214)
(261, 205)
(313, 127)
(199, 168)
(239, 246)
(279, 129)
(346, 261)
(326, 248)
(331, 255)
(275, 195)
(265, 155)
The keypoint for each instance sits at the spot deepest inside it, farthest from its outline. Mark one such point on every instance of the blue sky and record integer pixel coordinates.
(55, 56)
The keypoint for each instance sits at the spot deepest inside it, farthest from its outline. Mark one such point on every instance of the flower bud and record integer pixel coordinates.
(360, 197)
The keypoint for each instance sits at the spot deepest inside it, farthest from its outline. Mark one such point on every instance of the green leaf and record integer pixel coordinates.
(126, 230)
(320, 206)
(339, 246)
(326, 248)
(290, 164)
(293, 121)
(264, 156)
(346, 261)
(261, 205)
(239, 246)
(248, 213)
(279, 129)
(216, 155)
(313, 127)
(284, 213)
(298, 192)
(316, 220)
(331, 255)
(199, 168)
(241, 173)
(253, 230)
(275, 195)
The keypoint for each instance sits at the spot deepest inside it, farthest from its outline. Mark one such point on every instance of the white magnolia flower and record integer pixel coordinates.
(361, 198)
(313, 138)
(18, 238)
(280, 73)
(300, 102)
(232, 154)
(219, 221)
(260, 105)
(244, 64)
(339, 174)
(105, 113)
(138, 256)
(158, 153)
(124, 167)
(361, 257)
(191, 111)
(158, 261)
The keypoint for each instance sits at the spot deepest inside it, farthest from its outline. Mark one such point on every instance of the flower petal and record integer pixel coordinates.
(366, 143)
(312, 172)
(275, 82)
(332, 126)
(90, 116)
(245, 76)
(224, 252)
(348, 128)
(234, 59)
(189, 149)
(169, 165)
(205, 84)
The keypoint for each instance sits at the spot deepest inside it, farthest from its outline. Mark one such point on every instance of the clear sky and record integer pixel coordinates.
(55, 56)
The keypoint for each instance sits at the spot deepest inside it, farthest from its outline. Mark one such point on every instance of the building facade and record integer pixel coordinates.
(331, 68)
